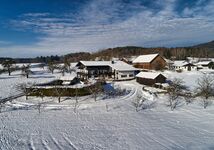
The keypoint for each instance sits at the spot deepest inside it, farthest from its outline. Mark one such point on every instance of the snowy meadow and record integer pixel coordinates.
(110, 123)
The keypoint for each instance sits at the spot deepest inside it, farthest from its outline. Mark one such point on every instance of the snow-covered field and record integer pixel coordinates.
(110, 124)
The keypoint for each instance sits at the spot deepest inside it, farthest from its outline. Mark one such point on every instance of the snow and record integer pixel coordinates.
(68, 77)
(148, 75)
(8, 83)
(107, 124)
(203, 63)
(145, 58)
(190, 78)
(117, 65)
(122, 66)
(180, 63)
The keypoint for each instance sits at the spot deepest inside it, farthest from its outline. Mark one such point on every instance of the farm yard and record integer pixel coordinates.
(110, 122)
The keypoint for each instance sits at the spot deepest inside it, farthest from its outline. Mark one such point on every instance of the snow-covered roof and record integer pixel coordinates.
(95, 63)
(67, 78)
(130, 59)
(117, 65)
(122, 66)
(180, 63)
(168, 61)
(148, 75)
(145, 58)
(203, 63)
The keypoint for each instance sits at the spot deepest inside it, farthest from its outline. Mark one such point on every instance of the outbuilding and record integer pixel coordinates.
(150, 78)
(150, 61)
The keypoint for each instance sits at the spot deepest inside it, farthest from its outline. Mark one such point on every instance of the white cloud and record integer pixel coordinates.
(101, 24)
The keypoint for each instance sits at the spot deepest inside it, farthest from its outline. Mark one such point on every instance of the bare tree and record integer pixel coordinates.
(67, 65)
(39, 106)
(95, 90)
(26, 71)
(63, 69)
(51, 66)
(8, 65)
(188, 98)
(41, 94)
(138, 101)
(59, 92)
(76, 99)
(26, 89)
(174, 92)
(205, 88)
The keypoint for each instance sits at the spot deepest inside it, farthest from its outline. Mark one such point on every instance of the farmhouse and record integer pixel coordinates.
(151, 61)
(117, 70)
(183, 66)
(150, 78)
(203, 64)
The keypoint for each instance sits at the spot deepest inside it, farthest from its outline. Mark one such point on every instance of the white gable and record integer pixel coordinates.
(145, 58)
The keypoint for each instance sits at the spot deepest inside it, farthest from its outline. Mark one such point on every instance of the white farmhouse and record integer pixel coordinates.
(183, 65)
(108, 70)
(203, 64)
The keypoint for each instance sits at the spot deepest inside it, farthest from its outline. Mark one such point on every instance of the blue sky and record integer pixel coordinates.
(30, 28)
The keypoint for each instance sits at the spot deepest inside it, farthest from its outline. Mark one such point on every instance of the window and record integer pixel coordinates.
(123, 76)
(131, 75)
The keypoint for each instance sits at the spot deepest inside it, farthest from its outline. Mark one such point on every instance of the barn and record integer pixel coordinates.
(150, 61)
(150, 78)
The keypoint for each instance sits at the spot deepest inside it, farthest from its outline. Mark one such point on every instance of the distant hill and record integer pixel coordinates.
(201, 50)
(208, 46)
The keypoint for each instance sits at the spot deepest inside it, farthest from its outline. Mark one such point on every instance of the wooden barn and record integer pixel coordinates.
(151, 62)
(150, 78)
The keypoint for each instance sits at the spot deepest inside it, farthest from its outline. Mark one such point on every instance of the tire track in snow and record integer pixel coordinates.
(69, 142)
(160, 143)
(45, 145)
(31, 144)
(56, 143)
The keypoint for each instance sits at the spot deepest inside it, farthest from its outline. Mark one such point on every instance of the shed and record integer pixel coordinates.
(68, 80)
(150, 78)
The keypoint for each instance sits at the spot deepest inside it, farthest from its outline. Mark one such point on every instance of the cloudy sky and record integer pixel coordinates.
(31, 28)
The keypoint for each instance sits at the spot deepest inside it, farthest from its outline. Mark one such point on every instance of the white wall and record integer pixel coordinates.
(124, 75)
(185, 68)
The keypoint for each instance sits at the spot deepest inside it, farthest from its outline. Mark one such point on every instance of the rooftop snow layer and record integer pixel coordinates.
(67, 78)
(117, 65)
(180, 63)
(148, 75)
(203, 63)
(145, 58)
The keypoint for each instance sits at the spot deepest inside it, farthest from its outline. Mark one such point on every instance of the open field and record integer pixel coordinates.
(105, 124)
